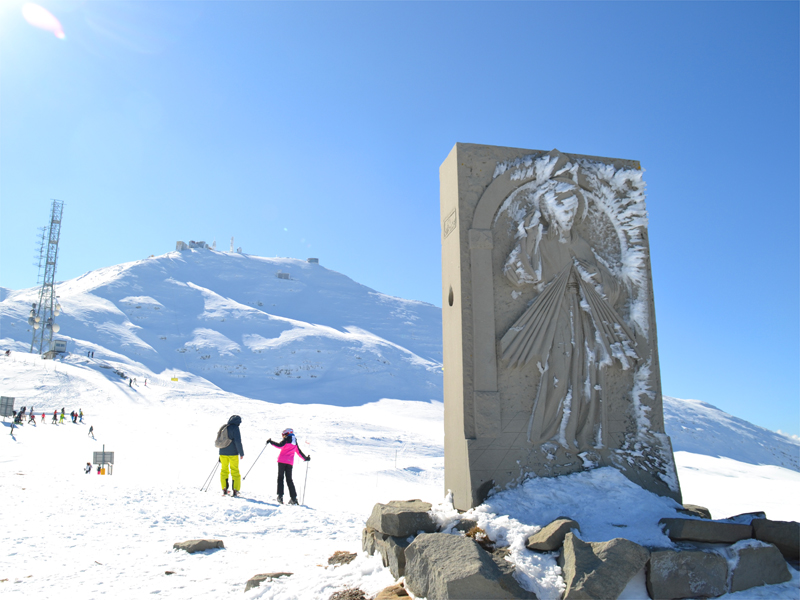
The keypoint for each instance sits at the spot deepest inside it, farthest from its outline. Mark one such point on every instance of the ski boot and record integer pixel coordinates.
(280, 499)
(293, 501)
(225, 492)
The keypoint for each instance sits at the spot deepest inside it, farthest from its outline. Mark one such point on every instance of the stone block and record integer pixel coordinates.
(784, 534)
(746, 518)
(441, 566)
(394, 592)
(551, 537)
(342, 557)
(402, 518)
(192, 546)
(369, 537)
(693, 510)
(697, 530)
(757, 563)
(691, 574)
(599, 570)
(257, 580)
(392, 551)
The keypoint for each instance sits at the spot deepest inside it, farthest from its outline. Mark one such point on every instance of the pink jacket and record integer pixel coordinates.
(288, 446)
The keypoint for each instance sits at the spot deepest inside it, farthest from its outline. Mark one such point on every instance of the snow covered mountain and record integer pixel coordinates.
(312, 335)
(316, 352)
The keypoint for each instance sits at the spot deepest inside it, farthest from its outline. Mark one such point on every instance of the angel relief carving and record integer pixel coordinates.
(571, 331)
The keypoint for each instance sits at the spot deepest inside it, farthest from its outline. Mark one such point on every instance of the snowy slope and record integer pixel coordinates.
(112, 536)
(701, 428)
(226, 318)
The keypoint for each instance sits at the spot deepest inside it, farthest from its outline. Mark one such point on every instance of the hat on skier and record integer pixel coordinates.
(288, 431)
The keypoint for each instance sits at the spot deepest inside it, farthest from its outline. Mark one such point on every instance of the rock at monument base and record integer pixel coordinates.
(746, 518)
(192, 546)
(599, 570)
(672, 575)
(696, 530)
(257, 580)
(551, 537)
(784, 534)
(402, 518)
(693, 510)
(465, 525)
(393, 553)
(342, 557)
(448, 567)
(757, 564)
(394, 592)
(349, 594)
(369, 539)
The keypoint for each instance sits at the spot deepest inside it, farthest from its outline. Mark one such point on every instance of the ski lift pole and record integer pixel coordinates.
(254, 462)
(207, 482)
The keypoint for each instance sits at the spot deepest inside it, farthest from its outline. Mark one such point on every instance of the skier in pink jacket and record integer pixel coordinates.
(289, 448)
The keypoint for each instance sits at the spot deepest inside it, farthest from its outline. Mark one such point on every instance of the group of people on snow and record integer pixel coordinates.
(229, 459)
(76, 416)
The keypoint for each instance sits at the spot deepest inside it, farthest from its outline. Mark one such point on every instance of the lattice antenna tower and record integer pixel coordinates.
(41, 253)
(44, 312)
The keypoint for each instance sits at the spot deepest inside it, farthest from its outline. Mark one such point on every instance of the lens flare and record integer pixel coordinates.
(43, 19)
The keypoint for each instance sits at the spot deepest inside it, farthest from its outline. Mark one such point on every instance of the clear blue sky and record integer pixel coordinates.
(317, 129)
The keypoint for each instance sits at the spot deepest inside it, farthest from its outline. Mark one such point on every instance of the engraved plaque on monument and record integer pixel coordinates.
(550, 351)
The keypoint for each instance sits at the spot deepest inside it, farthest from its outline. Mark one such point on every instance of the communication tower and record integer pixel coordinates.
(44, 312)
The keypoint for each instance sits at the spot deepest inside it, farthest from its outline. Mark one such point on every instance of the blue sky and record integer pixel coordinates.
(317, 129)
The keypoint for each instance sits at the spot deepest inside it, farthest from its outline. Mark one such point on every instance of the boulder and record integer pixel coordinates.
(756, 563)
(599, 570)
(784, 534)
(393, 553)
(349, 594)
(693, 510)
(257, 580)
(689, 574)
(394, 592)
(746, 518)
(551, 537)
(192, 546)
(465, 525)
(700, 530)
(342, 557)
(369, 539)
(445, 567)
(402, 518)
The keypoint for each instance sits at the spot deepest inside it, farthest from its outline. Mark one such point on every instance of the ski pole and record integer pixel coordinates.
(303, 501)
(254, 463)
(207, 482)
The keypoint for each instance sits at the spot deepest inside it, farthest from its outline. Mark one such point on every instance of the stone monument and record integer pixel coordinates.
(550, 351)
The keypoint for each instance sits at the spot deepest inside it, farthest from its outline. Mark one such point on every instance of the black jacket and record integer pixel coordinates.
(235, 447)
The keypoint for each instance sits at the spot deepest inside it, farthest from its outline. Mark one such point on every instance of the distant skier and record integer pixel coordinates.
(8, 352)
(87, 468)
(43, 417)
(61, 418)
(229, 456)
(32, 419)
(80, 410)
(130, 382)
(91, 431)
(289, 448)
(55, 416)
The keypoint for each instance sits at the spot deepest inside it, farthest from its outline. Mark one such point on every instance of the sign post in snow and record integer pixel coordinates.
(104, 458)
(6, 406)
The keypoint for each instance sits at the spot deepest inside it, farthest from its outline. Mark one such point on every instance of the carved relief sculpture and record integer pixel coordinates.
(550, 355)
